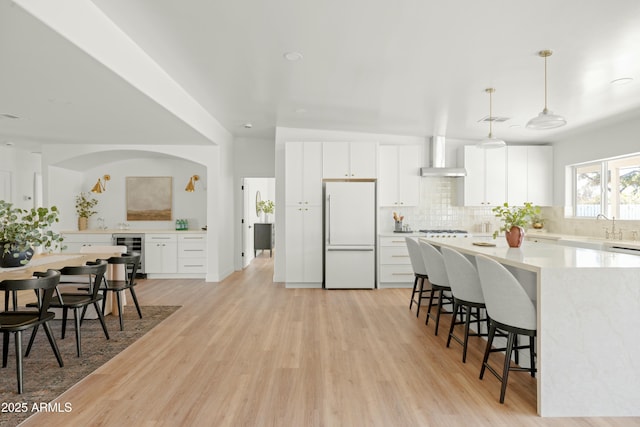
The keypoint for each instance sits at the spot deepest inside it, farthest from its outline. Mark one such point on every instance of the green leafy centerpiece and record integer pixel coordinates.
(514, 219)
(22, 230)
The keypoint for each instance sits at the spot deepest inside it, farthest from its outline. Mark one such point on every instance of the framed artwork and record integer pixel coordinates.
(149, 198)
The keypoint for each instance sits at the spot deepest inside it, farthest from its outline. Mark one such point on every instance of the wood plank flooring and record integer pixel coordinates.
(248, 352)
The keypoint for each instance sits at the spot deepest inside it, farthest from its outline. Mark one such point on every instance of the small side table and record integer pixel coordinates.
(263, 237)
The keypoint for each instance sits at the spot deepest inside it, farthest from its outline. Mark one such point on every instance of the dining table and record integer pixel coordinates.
(42, 262)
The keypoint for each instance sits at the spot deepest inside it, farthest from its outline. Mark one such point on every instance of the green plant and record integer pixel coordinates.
(21, 229)
(85, 204)
(266, 206)
(514, 216)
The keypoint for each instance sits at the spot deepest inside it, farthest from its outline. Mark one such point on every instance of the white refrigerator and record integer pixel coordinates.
(350, 235)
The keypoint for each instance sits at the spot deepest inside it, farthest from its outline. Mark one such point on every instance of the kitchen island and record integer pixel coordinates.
(588, 318)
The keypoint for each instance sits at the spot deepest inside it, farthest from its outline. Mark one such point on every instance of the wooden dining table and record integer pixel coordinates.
(42, 262)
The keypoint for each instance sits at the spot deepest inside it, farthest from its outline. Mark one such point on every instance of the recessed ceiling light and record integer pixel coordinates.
(514, 126)
(247, 125)
(292, 56)
(9, 144)
(621, 81)
(300, 110)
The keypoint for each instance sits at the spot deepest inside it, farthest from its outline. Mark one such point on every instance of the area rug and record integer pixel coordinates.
(44, 380)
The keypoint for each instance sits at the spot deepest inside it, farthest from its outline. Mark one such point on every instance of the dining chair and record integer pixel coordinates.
(17, 321)
(79, 299)
(131, 262)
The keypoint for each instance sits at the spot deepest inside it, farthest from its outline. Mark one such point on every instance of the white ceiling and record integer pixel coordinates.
(410, 67)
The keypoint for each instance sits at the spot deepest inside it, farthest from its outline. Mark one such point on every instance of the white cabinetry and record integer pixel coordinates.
(192, 253)
(75, 241)
(342, 160)
(485, 182)
(394, 268)
(160, 253)
(530, 175)
(303, 212)
(399, 179)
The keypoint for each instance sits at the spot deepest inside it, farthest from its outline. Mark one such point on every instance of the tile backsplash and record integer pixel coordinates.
(439, 208)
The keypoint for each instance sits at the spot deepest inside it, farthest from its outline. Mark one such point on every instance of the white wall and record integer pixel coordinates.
(216, 161)
(253, 158)
(22, 165)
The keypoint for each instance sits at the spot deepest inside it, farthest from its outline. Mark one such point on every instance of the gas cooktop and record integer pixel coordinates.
(444, 231)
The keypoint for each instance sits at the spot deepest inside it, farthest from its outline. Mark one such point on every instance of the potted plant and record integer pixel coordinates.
(21, 230)
(84, 208)
(266, 206)
(514, 219)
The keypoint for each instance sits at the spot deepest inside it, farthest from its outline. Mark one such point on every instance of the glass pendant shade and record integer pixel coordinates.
(546, 119)
(490, 141)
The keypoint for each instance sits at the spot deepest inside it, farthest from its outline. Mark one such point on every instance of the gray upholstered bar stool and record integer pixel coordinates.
(467, 296)
(510, 310)
(420, 272)
(437, 272)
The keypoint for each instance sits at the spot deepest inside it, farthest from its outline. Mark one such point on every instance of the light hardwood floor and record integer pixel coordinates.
(248, 352)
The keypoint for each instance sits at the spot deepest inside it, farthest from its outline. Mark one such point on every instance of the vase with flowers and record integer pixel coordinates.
(84, 208)
(514, 219)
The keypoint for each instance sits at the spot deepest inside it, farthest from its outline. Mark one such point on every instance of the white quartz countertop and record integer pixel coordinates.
(132, 231)
(591, 241)
(536, 256)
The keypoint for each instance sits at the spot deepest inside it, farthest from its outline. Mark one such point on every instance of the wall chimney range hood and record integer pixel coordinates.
(438, 161)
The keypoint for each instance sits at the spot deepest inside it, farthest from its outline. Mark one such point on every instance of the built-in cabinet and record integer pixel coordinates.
(303, 211)
(530, 175)
(399, 178)
(485, 182)
(394, 264)
(192, 254)
(73, 242)
(355, 160)
(161, 253)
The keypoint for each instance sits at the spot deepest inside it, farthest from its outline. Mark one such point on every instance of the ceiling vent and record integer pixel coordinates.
(494, 119)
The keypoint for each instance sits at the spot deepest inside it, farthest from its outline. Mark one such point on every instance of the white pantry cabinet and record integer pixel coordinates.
(530, 174)
(304, 246)
(399, 178)
(303, 214)
(486, 181)
(161, 253)
(342, 160)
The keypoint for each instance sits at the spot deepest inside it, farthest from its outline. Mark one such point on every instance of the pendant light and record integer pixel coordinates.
(490, 141)
(546, 119)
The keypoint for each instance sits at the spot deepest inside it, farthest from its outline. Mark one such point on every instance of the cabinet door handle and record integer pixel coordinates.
(401, 274)
(399, 256)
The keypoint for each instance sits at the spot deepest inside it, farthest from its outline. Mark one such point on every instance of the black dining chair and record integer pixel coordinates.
(16, 321)
(79, 299)
(131, 262)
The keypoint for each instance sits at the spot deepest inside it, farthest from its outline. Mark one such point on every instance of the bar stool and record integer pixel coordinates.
(467, 295)
(434, 264)
(509, 309)
(420, 272)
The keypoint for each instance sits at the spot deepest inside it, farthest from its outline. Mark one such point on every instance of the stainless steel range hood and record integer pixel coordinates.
(438, 161)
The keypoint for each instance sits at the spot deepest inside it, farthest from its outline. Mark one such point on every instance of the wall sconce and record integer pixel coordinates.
(191, 185)
(101, 186)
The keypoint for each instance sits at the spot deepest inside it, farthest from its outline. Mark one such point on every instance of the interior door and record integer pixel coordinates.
(247, 222)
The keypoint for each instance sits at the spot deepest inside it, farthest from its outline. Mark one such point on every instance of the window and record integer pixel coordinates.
(610, 187)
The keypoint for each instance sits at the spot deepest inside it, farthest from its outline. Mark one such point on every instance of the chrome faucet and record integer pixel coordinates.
(613, 234)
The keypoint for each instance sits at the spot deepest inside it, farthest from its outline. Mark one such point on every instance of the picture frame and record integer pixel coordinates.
(149, 198)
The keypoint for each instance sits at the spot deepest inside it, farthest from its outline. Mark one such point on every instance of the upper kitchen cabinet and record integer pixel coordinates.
(399, 180)
(341, 160)
(303, 173)
(485, 183)
(530, 175)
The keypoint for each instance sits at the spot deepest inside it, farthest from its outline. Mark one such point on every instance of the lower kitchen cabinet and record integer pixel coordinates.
(161, 253)
(74, 242)
(192, 254)
(394, 266)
